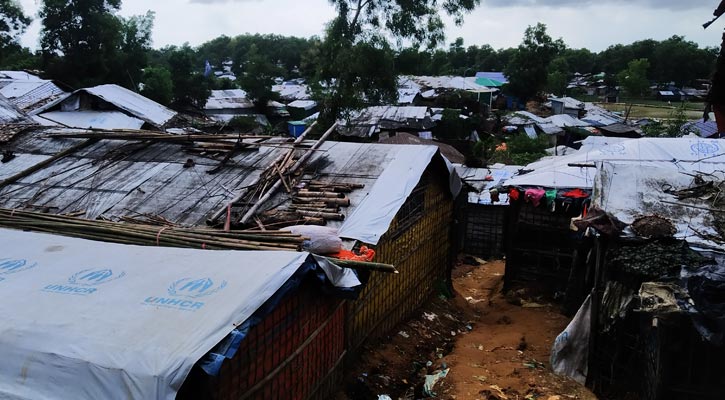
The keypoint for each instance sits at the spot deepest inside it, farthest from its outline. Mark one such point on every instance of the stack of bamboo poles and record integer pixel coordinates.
(167, 236)
(149, 235)
(323, 200)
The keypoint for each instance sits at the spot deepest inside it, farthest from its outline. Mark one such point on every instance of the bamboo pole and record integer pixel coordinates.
(217, 214)
(278, 184)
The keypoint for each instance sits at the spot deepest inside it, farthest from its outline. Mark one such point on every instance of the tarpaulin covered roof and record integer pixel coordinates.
(629, 190)
(10, 114)
(134, 319)
(498, 76)
(576, 170)
(93, 119)
(139, 106)
(371, 120)
(569, 102)
(292, 91)
(113, 179)
(228, 99)
(450, 82)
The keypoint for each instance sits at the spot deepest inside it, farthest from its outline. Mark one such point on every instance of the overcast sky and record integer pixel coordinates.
(581, 23)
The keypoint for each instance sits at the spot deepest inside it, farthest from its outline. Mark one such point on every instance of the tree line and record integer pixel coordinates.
(86, 42)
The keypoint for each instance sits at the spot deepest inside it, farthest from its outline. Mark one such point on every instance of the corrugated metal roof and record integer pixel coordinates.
(19, 75)
(45, 93)
(133, 103)
(10, 114)
(228, 99)
(372, 119)
(115, 178)
(569, 102)
(448, 151)
(93, 119)
(303, 104)
(701, 127)
(290, 91)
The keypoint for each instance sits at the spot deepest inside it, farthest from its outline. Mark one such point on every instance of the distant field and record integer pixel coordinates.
(654, 109)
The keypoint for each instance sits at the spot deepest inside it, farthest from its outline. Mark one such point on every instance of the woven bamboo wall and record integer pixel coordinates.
(418, 244)
(294, 353)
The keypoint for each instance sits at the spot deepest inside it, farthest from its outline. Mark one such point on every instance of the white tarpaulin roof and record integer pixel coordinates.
(93, 320)
(137, 105)
(556, 172)
(93, 119)
(372, 218)
(629, 190)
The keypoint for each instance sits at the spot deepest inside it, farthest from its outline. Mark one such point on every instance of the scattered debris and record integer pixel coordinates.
(431, 380)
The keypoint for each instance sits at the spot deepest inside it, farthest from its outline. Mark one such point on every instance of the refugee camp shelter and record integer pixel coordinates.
(142, 322)
(567, 105)
(551, 191)
(28, 92)
(657, 322)
(401, 207)
(104, 107)
(372, 121)
(482, 211)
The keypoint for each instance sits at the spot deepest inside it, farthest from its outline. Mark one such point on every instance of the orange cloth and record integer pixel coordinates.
(366, 254)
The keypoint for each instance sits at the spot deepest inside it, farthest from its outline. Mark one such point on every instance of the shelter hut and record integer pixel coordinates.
(104, 107)
(394, 199)
(653, 324)
(483, 212)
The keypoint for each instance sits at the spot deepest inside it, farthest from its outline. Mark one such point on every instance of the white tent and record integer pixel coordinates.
(93, 320)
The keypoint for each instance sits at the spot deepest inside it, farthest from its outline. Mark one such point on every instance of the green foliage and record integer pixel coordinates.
(189, 85)
(356, 64)
(243, 123)
(157, 85)
(528, 70)
(13, 22)
(258, 79)
(86, 43)
(522, 150)
(453, 127)
(634, 78)
(80, 39)
(672, 127)
(672, 60)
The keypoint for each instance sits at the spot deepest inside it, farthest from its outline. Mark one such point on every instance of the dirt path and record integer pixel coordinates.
(494, 347)
(506, 354)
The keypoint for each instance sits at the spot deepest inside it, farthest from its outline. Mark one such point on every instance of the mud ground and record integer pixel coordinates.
(492, 346)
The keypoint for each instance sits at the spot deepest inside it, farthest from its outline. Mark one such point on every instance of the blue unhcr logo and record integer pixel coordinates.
(10, 266)
(90, 277)
(83, 282)
(183, 294)
(705, 148)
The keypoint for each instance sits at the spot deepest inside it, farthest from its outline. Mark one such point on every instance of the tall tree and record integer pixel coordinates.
(362, 27)
(258, 78)
(528, 69)
(634, 78)
(13, 22)
(134, 50)
(80, 39)
(189, 84)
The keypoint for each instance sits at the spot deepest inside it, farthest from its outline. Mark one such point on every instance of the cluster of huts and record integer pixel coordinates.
(110, 207)
(123, 202)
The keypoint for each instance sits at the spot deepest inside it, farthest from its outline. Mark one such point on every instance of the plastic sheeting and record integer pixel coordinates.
(372, 218)
(570, 353)
(93, 320)
(568, 172)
